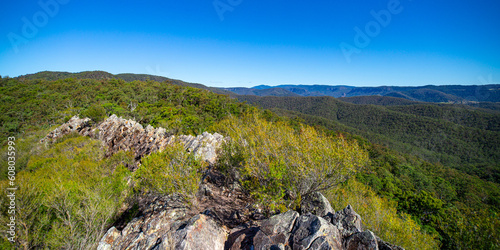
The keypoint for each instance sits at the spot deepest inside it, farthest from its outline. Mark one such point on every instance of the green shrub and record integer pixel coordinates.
(174, 170)
(67, 196)
(26, 146)
(272, 158)
(95, 112)
(380, 216)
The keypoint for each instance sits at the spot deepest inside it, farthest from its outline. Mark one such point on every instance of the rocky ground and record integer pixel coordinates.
(225, 218)
(222, 215)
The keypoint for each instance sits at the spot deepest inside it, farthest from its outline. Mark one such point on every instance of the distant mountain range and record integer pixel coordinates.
(430, 93)
(457, 94)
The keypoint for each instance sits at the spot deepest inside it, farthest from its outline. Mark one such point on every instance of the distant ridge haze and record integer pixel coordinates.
(428, 93)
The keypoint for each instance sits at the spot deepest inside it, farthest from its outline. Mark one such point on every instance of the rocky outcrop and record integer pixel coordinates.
(74, 124)
(361, 240)
(347, 221)
(313, 232)
(382, 245)
(154, 228)
(121, 134)
(317, 204)
(275, 231)
(224, 218)
(169, 222)
(200, 232)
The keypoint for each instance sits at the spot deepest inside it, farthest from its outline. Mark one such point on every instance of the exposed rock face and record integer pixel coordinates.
(163, 231)
(347, 221)
(242, 238)
(275, 231)
(121, 134)
(201, 232)
(382, 245)
(109, 238)
(169, 223)
(74, 124)
(361, 240)
(204, 145)
(316, 204)
(153, 229)
(313, 232)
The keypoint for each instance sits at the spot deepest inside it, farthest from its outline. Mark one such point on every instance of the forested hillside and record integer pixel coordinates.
(103, 75)
(443, 199)
(464, 139)
(31, 104)
(467, 115)
(401, 197)
(378, 100)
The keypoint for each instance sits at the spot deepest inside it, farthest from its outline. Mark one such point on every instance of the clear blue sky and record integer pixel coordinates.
(253, 42)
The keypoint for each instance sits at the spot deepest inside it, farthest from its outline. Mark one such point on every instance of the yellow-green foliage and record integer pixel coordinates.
(67, 196)
(380, 216)
(26, 146)
(475, 229)
(174, 170)
(274, 158)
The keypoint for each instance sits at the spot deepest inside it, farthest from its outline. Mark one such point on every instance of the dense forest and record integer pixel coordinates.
(417, 179)
(103, 75)
(463, 138)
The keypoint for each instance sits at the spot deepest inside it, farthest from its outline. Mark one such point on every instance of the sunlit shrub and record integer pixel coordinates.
(174, 170)
(272, 158)
(26, 146)
(95, 112)
(67, 196)
(380, 216)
